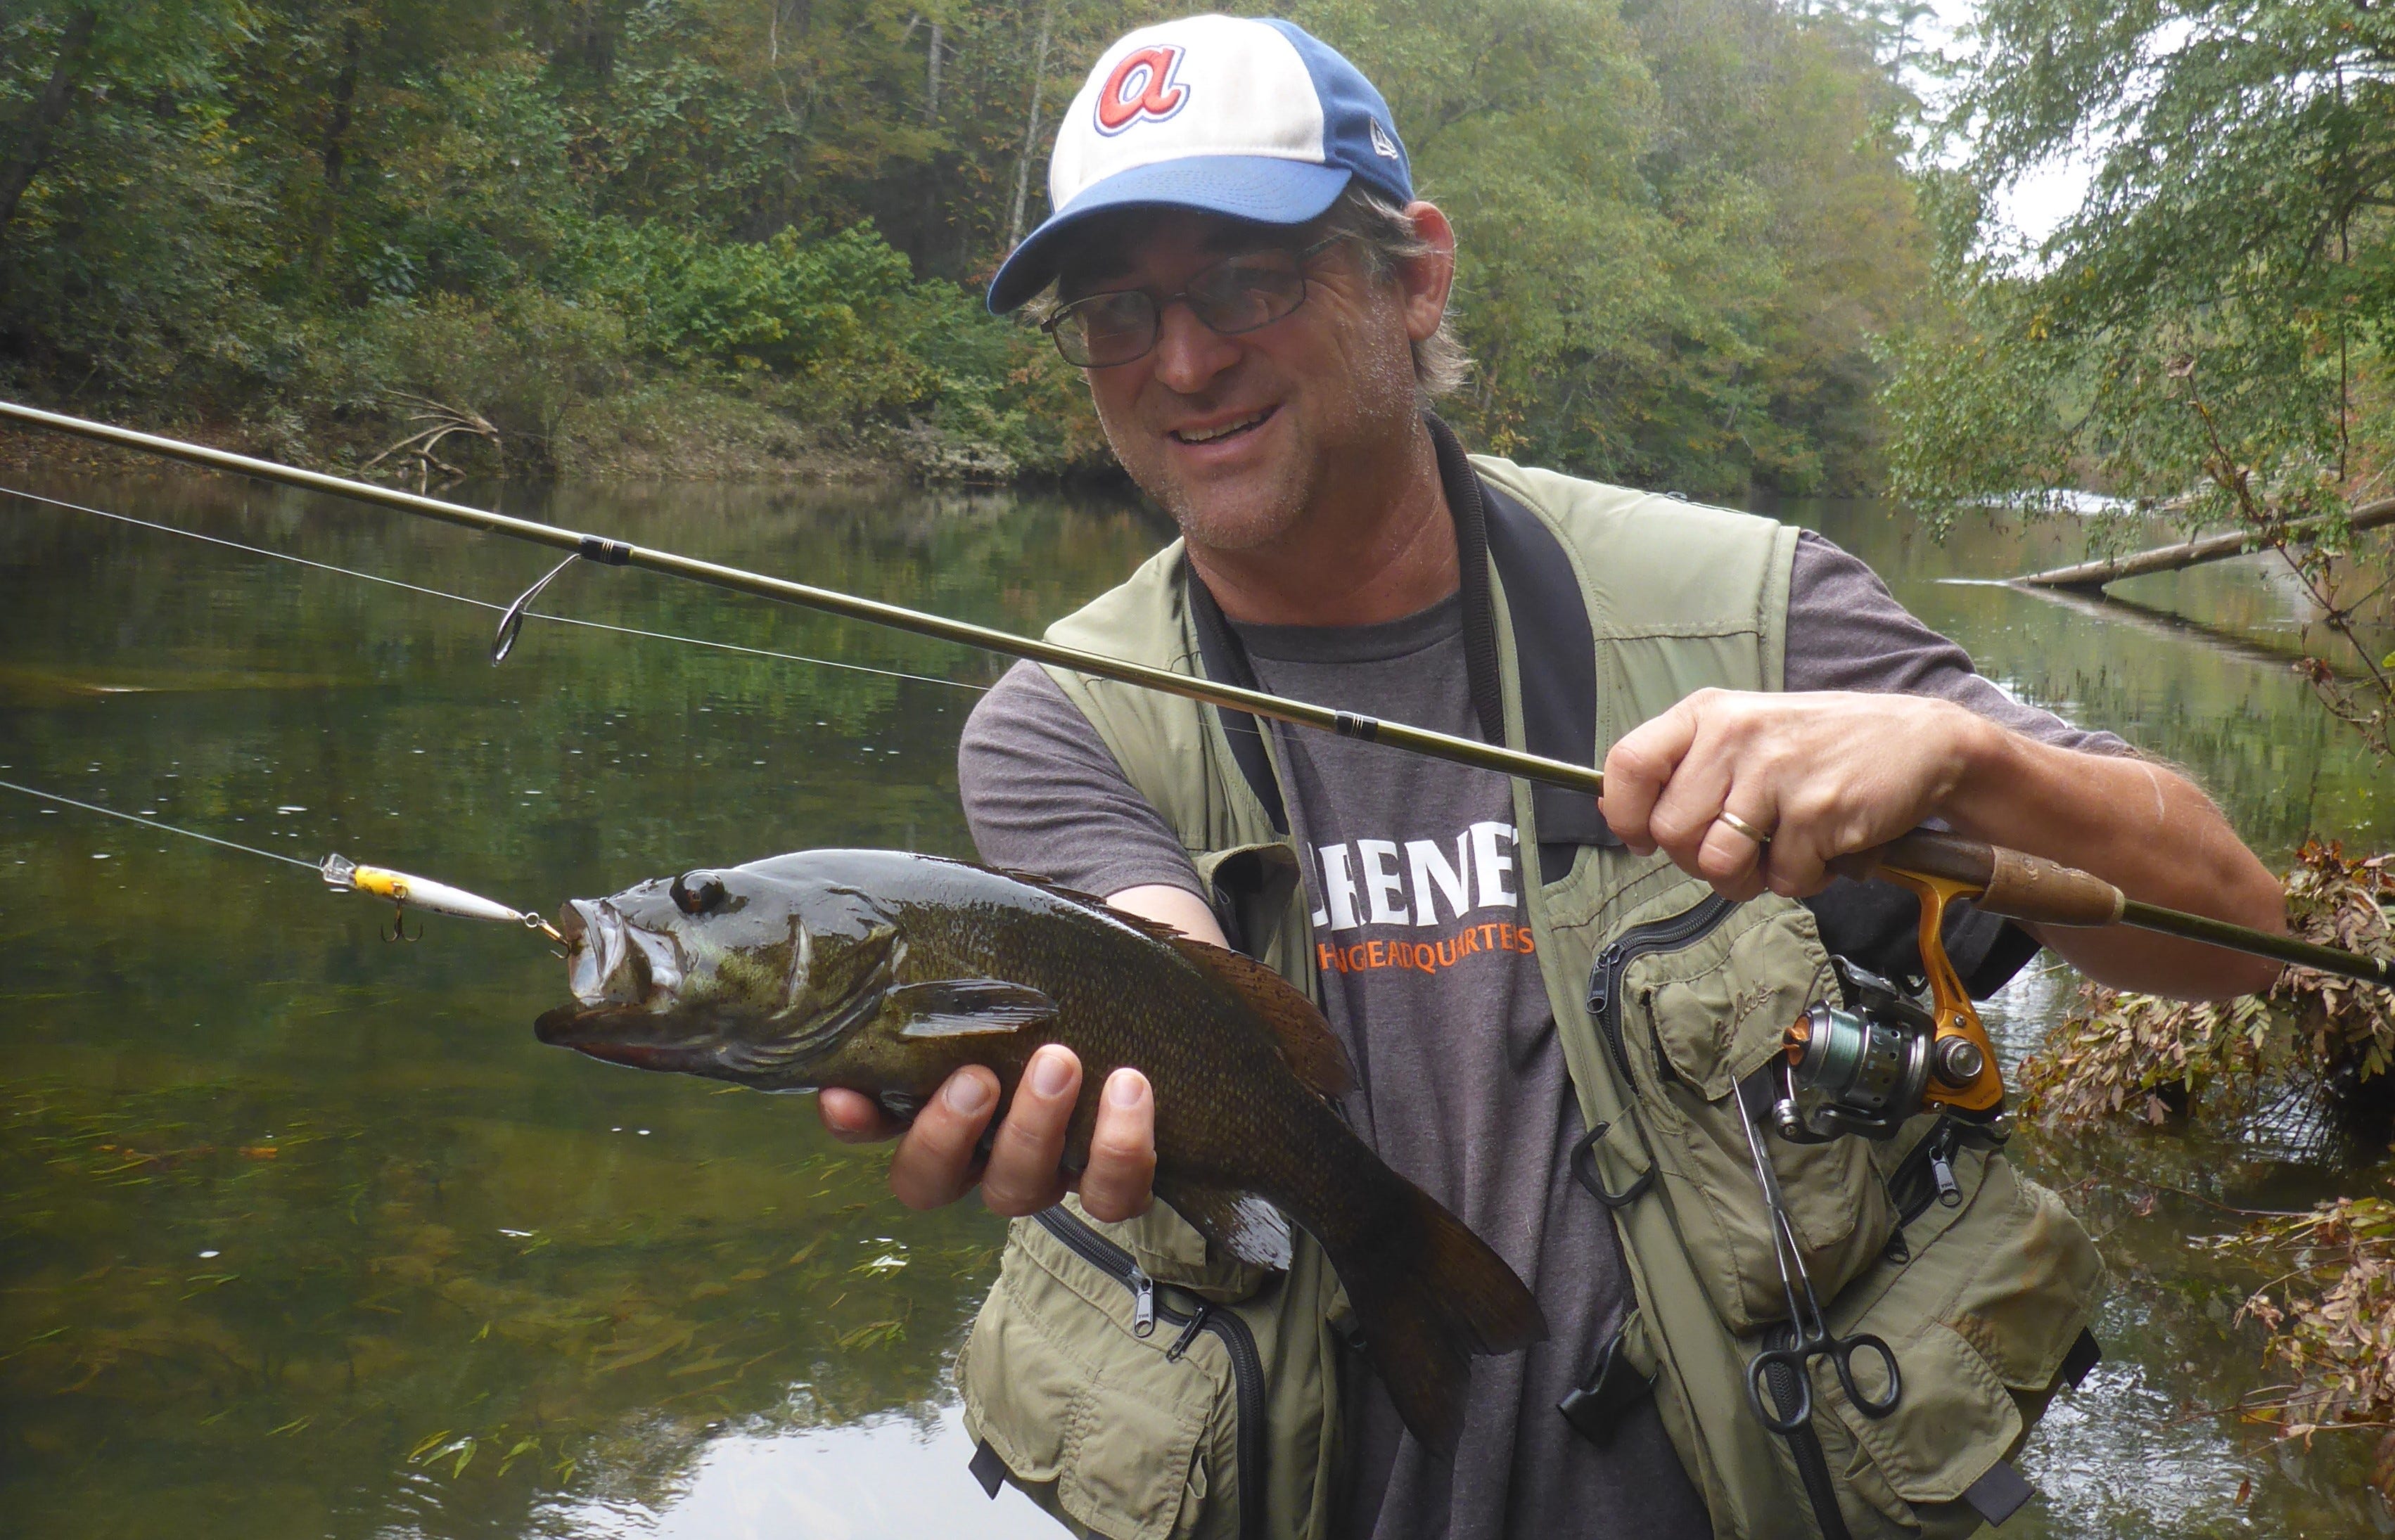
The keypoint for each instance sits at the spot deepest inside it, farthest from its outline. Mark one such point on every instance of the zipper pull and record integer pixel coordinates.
(1188, 1335)
(1143, 1302)
(1599, 978)
(1941, 1169)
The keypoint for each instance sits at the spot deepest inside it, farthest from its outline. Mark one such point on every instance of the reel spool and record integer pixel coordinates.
(1866, 1067)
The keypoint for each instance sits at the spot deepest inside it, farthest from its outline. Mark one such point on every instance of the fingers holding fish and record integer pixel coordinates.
(1120, 1182)
(854, 1119)
(935, 1162)
(1025, 1172)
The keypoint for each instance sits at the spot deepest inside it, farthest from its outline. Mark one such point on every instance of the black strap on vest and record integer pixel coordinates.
(1225, 659)
(1463, 501)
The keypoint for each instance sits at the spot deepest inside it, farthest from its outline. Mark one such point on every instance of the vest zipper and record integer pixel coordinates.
(1926, 1173)
(1663, 935)
(1239, 1343)
(1605, 1005)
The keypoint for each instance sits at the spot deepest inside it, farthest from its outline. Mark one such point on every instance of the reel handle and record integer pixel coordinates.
(2004, 882)
(1964, 1075)
(1941, 867)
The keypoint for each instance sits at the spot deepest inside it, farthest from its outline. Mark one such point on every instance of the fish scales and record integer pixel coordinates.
(884, 972)
(1228, 1110)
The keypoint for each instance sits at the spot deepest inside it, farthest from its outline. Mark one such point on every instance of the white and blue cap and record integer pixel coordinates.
(1254, 119)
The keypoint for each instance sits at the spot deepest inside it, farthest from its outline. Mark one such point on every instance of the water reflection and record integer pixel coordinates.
(306, 1235)
(857, 1482)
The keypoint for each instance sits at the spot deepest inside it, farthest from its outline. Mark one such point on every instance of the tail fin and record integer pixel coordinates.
(1429, 1294)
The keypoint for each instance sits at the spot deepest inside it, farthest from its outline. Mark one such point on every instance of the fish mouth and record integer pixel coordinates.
(620, 1034)
(611, 962)
(620, 978)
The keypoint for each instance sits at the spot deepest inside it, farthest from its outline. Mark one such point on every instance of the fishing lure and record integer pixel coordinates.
(406, 892)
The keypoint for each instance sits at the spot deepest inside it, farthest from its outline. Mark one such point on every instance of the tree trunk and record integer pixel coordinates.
(34, 145)
(1030, 129)
(2192, 553)
(345, 95)
(932, 83)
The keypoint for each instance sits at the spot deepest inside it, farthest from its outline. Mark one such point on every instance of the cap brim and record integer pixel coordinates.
(1264, 189)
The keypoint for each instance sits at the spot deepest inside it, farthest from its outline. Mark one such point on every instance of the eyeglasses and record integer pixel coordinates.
(1239, 294)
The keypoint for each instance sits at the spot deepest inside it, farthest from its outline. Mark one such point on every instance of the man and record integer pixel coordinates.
(1260, 302)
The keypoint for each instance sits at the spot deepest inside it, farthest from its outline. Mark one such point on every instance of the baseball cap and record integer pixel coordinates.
(1256, 118)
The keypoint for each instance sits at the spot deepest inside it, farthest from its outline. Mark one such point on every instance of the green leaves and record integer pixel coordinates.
(1677, 225)
(2233, 249)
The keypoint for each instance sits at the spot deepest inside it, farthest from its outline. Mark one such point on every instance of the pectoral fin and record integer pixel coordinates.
(967, 1007)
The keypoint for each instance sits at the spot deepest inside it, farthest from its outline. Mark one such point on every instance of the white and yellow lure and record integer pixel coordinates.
(345, 876)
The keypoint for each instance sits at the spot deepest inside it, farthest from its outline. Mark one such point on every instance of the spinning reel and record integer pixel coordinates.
(1866, 1066)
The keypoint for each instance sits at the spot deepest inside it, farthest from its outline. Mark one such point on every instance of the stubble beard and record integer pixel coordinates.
(1240, 518)
(1255, 513)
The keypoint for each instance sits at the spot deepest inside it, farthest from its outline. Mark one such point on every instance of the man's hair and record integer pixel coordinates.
(1386, 237)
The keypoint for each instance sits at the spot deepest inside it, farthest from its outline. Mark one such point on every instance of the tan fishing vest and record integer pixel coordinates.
(1140, 1388)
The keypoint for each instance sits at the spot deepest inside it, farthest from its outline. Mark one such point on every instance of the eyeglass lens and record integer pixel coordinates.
(1239, 294)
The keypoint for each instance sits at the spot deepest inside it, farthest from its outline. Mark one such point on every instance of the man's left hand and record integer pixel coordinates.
(1751, 791)
(1815, 776)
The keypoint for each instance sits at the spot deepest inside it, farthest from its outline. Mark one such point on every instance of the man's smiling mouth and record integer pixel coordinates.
(1222, 430)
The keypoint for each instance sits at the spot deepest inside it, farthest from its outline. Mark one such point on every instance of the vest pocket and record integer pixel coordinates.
(1126, 1401)
(1983, 1310)
(1692, 1005)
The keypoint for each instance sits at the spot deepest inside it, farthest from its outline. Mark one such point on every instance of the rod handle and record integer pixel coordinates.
(2012, 884)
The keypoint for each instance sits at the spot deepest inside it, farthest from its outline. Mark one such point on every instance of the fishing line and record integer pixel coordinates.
(344, 875)
(166, 828)
(485, 604)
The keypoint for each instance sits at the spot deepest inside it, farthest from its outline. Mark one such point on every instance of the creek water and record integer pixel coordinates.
(306, 1235)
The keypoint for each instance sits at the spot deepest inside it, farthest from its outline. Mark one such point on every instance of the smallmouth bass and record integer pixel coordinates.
(884, 972)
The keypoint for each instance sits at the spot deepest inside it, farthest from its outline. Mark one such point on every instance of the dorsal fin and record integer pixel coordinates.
(1297, 1028)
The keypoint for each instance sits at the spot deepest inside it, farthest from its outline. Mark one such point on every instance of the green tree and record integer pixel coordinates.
(1680, 222)
(2209, 334)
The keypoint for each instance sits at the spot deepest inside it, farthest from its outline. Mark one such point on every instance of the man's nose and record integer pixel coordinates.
(1188, 353)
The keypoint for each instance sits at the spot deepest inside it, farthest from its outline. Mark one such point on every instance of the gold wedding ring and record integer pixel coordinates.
(1743, 826)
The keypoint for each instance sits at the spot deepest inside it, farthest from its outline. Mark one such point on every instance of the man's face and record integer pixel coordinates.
(1240, 437)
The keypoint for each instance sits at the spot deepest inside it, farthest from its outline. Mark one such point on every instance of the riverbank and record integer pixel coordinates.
(652, 433)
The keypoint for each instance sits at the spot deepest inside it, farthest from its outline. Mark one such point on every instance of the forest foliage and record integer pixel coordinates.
(1683, 220)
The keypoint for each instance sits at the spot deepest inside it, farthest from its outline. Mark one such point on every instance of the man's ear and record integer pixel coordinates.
(1427, 279)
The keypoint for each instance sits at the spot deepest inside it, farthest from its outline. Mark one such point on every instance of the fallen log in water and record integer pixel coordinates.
(2190, 553)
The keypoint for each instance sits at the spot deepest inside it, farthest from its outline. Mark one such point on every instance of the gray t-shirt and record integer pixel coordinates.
(1415, 880)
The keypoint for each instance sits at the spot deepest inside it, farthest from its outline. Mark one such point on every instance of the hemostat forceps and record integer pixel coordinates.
(1804, 1316)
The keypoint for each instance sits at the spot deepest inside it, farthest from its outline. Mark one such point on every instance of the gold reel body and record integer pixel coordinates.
(1880, 1058)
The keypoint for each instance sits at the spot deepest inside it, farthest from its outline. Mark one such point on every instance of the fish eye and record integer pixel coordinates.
(699, 892)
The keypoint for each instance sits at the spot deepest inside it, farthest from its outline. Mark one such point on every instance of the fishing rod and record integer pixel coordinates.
(1953, 1065)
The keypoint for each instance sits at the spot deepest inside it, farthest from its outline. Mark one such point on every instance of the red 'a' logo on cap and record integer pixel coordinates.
(1142, 86)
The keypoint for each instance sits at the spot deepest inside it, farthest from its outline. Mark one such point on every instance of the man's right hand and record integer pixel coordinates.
(934, 1162)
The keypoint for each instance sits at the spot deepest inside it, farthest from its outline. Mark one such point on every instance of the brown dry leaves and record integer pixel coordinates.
(2144, 1056)
(2329, 1309)
(2331, 1315)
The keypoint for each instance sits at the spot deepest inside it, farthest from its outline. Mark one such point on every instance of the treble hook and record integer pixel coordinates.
(511, 623)
(398, 926)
